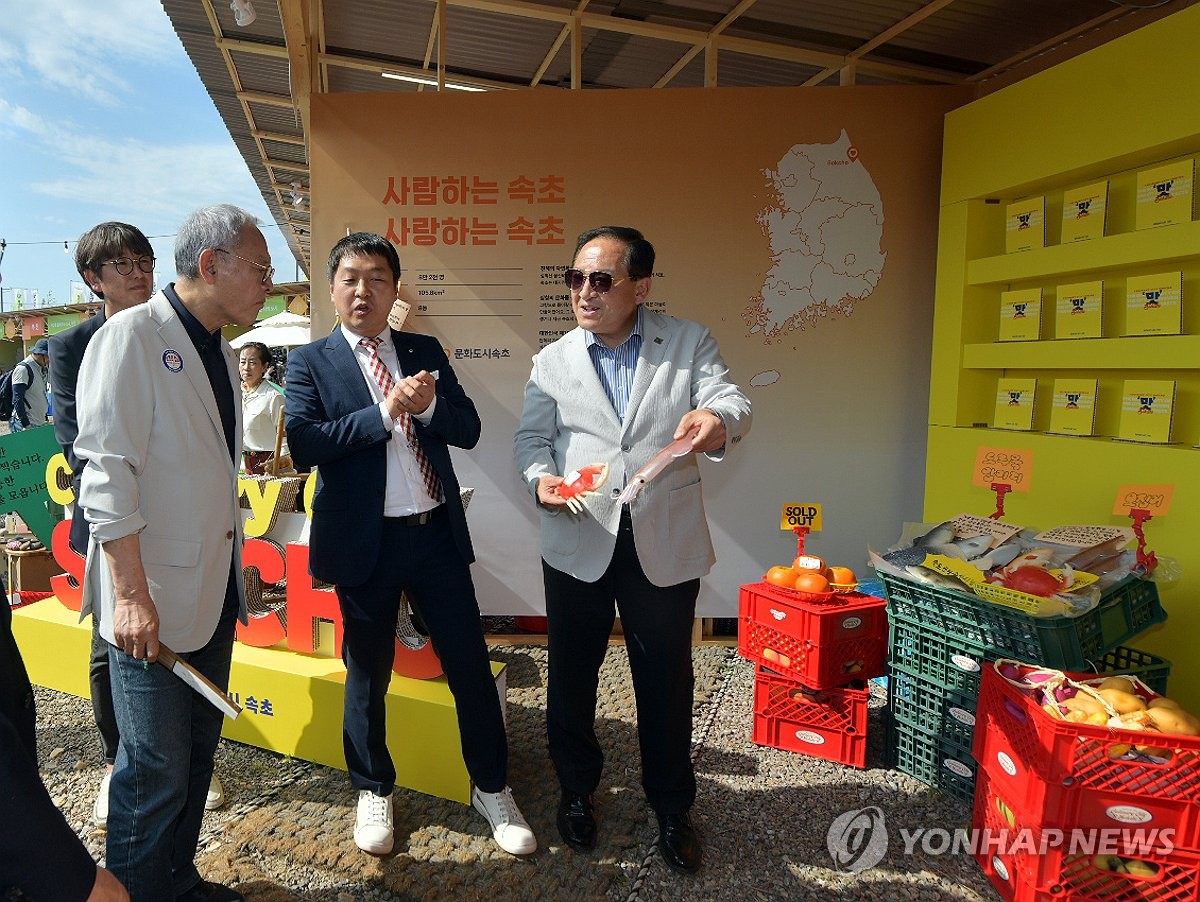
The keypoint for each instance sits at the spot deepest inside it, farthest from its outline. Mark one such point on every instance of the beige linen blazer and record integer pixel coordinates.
(568, 422)
(157, 464)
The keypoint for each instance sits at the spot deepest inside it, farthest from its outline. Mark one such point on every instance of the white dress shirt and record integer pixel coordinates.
(406, 493)
(261, 407)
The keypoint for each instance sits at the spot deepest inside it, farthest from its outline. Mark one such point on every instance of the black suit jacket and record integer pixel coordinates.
(333, 424)
(66, 355)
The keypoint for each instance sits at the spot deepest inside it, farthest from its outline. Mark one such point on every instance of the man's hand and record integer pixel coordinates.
(413, 394)
(107, 888)
(711, 436)
(135, 625)
(547, 491)
(135, 619)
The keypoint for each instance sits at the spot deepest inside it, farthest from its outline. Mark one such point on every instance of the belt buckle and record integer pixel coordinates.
(423, 518)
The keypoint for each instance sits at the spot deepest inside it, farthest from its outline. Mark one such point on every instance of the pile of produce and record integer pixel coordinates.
(1118, 702)
(1054, 573)
(809, 576)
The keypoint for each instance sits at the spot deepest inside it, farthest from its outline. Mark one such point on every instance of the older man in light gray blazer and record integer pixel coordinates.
(616, 390)
(160, 432)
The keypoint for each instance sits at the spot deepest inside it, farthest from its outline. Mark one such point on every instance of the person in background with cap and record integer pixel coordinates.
(30, 398)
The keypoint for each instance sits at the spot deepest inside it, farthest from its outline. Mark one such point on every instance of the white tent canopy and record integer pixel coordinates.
(283, 330)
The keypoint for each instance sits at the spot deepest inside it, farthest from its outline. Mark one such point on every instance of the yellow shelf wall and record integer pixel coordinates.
(1106, 114)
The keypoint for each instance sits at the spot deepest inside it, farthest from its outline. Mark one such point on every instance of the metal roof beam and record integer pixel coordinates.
(297, 34)
(880, 39)
(372, 65)
(689, 55)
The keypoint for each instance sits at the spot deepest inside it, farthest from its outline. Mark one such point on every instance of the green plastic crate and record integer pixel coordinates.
(1150, 669)
(1065, 643)
(932, 759)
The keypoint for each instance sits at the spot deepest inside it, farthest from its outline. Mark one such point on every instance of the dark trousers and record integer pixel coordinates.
(424, 562)
(657, 623)
(101, 689)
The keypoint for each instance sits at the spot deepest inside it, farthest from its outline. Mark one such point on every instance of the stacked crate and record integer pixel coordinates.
(813, 655)
(1075, 811)
(941, 638)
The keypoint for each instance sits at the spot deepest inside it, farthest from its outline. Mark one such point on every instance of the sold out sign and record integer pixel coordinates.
(801, 515)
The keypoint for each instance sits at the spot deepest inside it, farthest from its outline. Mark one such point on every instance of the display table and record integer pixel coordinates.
(292, 703)
(29, 571)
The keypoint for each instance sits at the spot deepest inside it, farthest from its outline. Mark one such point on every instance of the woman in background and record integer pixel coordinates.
(262, 405)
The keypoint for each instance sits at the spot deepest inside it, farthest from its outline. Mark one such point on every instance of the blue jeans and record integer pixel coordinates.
(164, 764)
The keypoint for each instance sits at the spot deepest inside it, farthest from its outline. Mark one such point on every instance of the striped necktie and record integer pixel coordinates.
(433, 485)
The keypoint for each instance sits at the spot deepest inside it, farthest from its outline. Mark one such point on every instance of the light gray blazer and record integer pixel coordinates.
(157, 464)
(568, 422)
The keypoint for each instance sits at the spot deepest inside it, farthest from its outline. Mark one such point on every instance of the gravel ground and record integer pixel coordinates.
(285, 832)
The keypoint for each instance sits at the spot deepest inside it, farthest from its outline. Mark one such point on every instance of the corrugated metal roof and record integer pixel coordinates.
(624, 44)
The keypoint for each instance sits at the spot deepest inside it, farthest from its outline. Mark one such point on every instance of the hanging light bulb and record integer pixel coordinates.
(66, 250)
(243, 12)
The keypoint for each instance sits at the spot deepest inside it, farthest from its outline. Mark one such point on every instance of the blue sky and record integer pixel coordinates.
(102, 116)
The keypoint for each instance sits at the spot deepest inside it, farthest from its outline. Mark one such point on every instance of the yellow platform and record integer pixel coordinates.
(292, 703)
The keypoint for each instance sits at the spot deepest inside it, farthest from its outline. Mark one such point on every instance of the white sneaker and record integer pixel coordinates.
(373, 826)
(100, 808)
(216, 795)
(509, 829)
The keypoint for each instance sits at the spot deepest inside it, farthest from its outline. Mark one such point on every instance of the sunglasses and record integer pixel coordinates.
(601, 282)
(124, 265)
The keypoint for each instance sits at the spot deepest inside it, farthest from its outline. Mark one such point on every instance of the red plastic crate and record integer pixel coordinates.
(1065, 771)
(1027, 863)
(821, 645)
(824, 723)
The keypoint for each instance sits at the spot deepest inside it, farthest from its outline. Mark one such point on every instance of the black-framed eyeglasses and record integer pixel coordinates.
(268, 271)
(125, 265)
(600, 281)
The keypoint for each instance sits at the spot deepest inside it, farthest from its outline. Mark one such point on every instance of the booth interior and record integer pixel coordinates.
(859, 257)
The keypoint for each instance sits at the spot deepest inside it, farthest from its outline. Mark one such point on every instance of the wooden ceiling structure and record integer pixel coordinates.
(261, 76)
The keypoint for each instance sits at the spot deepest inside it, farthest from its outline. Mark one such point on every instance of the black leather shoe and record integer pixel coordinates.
(577, 821)
(678, 843)
(210, 892)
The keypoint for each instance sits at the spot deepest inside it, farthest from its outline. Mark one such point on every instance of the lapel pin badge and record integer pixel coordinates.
(172, 360)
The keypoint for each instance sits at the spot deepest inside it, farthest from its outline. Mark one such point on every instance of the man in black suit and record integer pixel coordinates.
(375, 410)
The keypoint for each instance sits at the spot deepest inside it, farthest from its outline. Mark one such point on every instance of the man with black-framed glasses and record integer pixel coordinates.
(615, 391)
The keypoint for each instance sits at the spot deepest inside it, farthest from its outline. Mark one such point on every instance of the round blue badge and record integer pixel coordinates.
(173, 360)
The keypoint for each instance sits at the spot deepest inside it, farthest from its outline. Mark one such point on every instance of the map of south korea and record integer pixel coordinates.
(825, 226)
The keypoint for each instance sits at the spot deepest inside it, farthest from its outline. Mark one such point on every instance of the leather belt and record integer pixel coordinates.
(414, 519)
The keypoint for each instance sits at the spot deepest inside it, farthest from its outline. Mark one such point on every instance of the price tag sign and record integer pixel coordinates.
(803, 514)
(1153, 498)
(1003, 466)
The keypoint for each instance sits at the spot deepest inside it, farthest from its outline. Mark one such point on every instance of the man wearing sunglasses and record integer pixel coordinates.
(117, 262)
(161, 455)
(616, 390)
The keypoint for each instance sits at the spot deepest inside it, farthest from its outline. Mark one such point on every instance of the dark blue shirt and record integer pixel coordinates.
(208, 346)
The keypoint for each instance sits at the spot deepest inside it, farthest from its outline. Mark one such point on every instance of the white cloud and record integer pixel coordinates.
(78, 46)
(144, 181)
